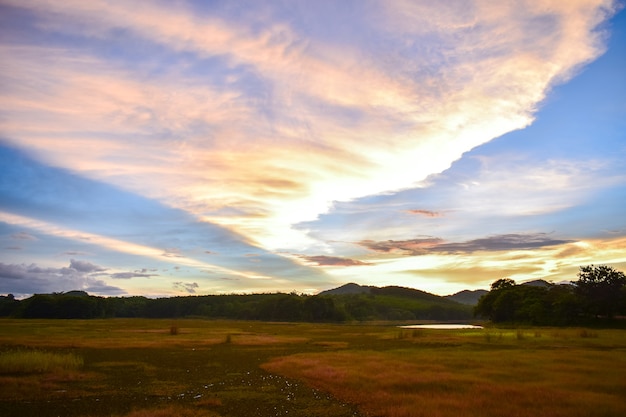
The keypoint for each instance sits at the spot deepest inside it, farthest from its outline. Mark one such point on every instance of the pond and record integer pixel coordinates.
(443, 326)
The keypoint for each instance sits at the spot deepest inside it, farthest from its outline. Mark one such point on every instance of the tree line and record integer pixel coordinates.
(384, 305)
(599, 293)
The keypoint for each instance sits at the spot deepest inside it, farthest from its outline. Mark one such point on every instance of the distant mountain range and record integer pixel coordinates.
(468, 297)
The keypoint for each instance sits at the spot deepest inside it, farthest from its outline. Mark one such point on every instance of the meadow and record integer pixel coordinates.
(211, 368)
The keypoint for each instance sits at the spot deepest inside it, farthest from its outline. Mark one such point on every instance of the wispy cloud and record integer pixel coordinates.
(129, 275)
(325, 260)
(84, 266)
(502, 243)
(425, 213)
(188, 287)
(429, 245)
(23, 236)
(418, 246)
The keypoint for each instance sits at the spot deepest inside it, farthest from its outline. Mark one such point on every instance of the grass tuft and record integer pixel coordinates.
(26, 362)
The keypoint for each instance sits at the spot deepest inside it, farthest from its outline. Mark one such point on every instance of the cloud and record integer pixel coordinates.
(129, 275)
(101, 288)
(189, 287)
(274, 266)
(502, 243)
(477, 274)
(23, 236)
(172, 253)
(406, 91)
(83, 266)
(495, 243)
(411, 247)
(425, 213)
(28, 279)
(324, 260)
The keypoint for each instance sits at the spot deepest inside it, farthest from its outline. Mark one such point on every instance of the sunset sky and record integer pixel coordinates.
(167, 148)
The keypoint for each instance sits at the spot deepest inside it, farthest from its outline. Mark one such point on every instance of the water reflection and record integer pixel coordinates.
(447, 326)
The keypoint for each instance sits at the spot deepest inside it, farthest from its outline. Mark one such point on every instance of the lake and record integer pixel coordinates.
(446, 326)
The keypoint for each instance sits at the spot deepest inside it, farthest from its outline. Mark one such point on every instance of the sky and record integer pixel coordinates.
(166, 148)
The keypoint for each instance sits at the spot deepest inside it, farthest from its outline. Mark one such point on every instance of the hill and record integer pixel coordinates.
(469, 297)
(395, 303)
(350, 288)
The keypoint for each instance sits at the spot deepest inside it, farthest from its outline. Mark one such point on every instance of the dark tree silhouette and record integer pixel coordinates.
(602, 289)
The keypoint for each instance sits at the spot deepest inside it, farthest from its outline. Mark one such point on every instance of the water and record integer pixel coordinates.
(447, 326)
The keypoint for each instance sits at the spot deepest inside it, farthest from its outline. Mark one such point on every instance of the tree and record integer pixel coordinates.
(502, 283)
(497, 303)
(8, 305)
(601, 289)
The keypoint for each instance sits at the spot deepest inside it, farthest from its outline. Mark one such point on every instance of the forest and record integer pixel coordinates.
(388, 303)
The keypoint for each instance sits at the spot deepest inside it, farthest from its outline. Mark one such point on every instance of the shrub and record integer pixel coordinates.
(584, 333)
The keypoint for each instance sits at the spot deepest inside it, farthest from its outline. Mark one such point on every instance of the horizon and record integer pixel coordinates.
(163, 149)
(269, 292)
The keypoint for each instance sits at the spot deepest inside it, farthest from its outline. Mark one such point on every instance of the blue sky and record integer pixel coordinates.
(170, 148)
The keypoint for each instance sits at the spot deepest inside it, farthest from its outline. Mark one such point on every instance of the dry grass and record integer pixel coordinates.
(525, 377)
(34, 361)
(171, 411)
(136, 368)
(252, 339)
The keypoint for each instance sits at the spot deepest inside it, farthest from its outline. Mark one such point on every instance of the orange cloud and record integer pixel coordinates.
(324, 260)
(426, 213)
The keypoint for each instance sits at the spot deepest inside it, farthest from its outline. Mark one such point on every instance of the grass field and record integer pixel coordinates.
(162, 368)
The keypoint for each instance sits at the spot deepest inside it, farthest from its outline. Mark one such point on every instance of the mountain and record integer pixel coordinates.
(468, 297)
(391, 291)
(350, 288)
(464, 297)
(404, 292)
(537, 283)
(367, 303)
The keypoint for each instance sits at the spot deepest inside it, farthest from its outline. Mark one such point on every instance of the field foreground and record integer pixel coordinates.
(162, 368)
